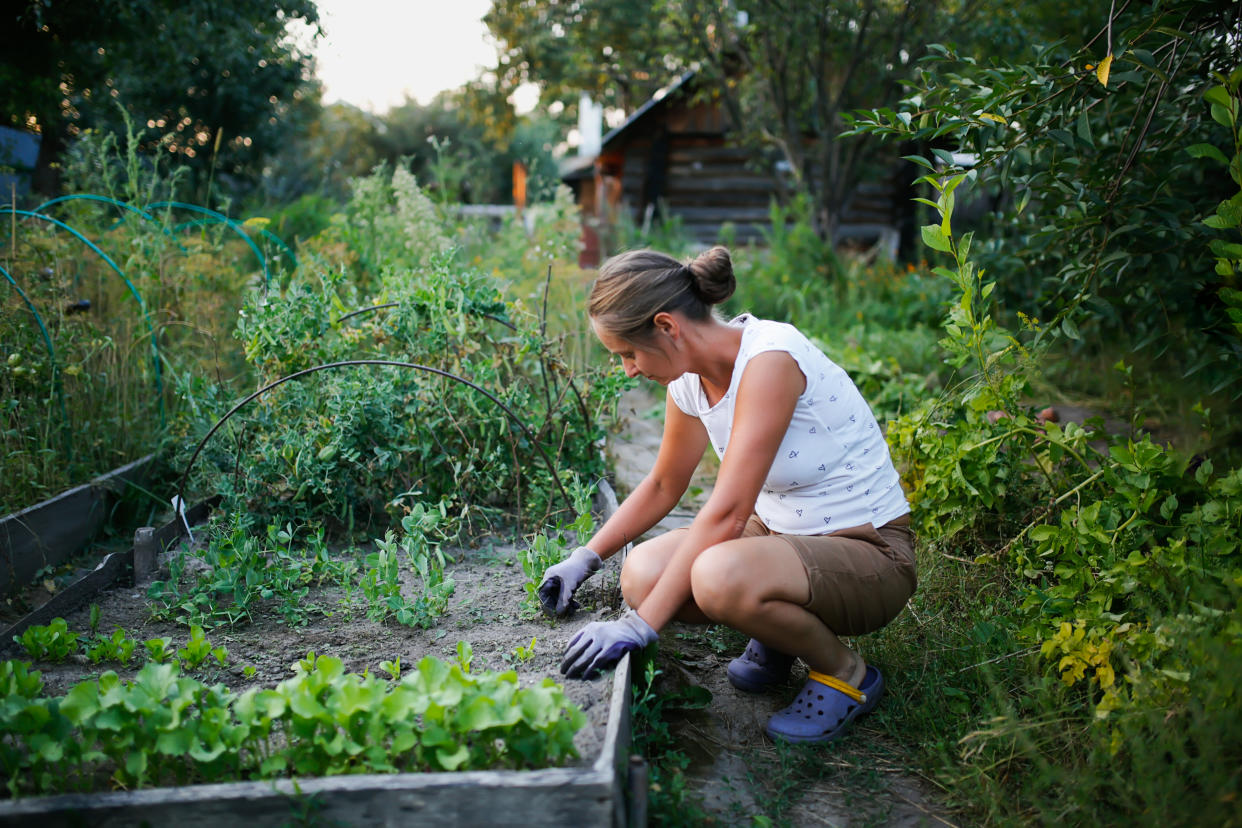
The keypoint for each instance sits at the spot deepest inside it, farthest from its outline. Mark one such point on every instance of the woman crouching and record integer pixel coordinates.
(805, 537)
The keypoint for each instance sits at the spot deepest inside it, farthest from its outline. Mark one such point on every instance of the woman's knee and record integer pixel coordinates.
(641, 570)
(721, 584)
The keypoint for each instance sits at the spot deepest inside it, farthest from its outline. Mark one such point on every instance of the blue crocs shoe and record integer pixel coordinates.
(758, 668)
(825, 706)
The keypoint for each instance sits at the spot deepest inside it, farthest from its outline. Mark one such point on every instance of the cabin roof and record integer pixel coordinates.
(644, 111)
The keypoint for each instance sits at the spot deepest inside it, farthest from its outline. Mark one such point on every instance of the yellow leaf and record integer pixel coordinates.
(1101, 71)
(992, 117)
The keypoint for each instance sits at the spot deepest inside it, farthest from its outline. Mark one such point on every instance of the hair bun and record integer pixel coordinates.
(711, 275)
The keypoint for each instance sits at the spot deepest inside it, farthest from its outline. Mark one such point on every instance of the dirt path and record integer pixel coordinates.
(735, 770)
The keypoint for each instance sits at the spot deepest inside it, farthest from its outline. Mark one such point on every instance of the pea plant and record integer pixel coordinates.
(236, 572)
(381, 582)
(163, 727)
(335, 448)
(550, 547)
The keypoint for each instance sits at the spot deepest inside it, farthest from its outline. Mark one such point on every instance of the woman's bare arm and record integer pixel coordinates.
(767, 395)
(681, 448)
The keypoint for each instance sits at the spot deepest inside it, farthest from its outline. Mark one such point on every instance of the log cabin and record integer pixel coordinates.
(672, 160)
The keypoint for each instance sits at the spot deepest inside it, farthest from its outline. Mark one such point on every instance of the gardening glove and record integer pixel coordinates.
(560, 581)
(600, 645)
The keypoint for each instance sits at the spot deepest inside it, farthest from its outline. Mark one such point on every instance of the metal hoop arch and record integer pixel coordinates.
(155, 348)
(349, 363)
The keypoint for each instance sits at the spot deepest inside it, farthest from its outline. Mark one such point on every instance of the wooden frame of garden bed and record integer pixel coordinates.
(136, 561)
(610, 792)
(51, 532)
(594, 796)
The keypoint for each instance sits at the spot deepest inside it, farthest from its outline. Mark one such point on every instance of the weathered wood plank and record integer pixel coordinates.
(682, 154)
(109, 570)
(559, 796)
(681, 185)
(48, 534)
(722, 214)
(744, 201)
(51, 532)
(716, 170)
(709, 232)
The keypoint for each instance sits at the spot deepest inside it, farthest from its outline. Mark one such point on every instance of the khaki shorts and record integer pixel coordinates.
(860, 578)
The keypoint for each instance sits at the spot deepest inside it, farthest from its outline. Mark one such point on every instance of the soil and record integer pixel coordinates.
(735, 770)
(485, 611)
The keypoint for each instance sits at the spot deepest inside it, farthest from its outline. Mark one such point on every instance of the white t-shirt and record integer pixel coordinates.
(832, 470)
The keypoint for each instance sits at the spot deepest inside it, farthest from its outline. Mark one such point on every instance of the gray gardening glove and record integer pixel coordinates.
(600, 645)
(560, 581)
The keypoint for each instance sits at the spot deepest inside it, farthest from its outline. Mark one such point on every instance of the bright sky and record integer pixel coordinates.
(376, 52)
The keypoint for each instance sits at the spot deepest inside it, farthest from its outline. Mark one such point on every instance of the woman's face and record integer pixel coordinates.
(653, 359)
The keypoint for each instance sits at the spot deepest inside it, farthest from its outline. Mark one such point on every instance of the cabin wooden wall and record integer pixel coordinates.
(675, 162)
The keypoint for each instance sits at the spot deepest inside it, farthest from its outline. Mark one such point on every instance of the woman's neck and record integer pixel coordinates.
(713, 347)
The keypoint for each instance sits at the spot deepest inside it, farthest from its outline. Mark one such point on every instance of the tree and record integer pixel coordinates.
(787, 71)
(339, 144)
(1109, 153)
(222, 81)
(617, 51)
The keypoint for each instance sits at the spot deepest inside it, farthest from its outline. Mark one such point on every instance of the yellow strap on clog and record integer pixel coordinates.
(836, 684)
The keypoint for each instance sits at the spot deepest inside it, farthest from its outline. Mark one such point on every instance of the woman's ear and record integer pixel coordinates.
(667, 324)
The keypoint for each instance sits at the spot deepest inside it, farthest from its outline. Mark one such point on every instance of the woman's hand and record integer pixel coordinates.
(600, 645)
(560, 581)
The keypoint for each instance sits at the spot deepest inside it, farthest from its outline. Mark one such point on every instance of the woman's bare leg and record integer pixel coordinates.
(643, 567)
(758, 587)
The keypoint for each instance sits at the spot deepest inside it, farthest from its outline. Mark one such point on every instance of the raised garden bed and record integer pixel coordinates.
(484, 612)
(50, 533)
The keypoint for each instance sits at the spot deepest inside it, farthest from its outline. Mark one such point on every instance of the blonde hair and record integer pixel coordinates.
(633, 287)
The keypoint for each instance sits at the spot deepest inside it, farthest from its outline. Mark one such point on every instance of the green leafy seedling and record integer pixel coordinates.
(392, 668)
(465, 654)
(196, 651)
(119, 647)
(159, 650)
(53, 642)
(524, 653)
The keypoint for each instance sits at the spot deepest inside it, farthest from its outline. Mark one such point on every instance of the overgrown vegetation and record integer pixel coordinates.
(1070, 655)
(488, 410)
(110, 299)
(467, 410)
(1079, 580)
